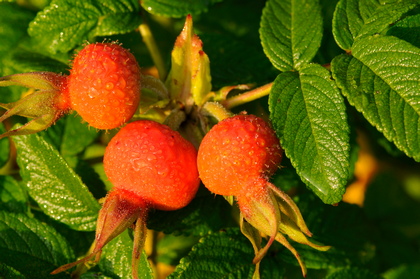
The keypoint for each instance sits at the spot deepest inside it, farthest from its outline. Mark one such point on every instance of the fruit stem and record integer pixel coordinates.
(138, 243)
(151, 45)
(216, 110)
(248, 96)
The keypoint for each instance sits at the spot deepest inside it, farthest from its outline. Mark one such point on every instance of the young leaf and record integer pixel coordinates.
(309, 116)
(31, 247)
(53, 184)
(291, 32)
(357, 18)
(116, 259)
(64, 24)
(225, 254)
(382, 80)
(189, 80)
(176, 8)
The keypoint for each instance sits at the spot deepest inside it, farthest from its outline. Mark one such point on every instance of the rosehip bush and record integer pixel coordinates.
(304, 114)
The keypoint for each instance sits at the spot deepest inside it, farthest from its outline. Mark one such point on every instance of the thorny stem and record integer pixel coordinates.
(248, 96)
(151, 45)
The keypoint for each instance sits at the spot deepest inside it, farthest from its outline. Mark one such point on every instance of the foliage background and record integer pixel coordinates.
(350, 124)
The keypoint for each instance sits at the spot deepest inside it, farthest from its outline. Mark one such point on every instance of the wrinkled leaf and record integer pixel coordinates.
(220, 255)
(116, 259)
(308, 113)
(356, 18)
(53, 184)
(291, 32)
(31, 247)
(64, 24)
(382, 80)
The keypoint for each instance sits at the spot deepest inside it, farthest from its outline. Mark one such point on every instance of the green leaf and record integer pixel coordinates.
(31, 247)
(4, 148)
(171, 248)
(356, 18)
(291, 32)
(9, 272)
(21, 60)
(407, 29)
(64, 24)
(308, 114)
(403, 272)
(77, 136)
(353, 273)
(12, 196)
(382, 80)
(226, 254)
(206, 213)
(116, 259)
(53, 184)
(177, 8)
(236, 61)
(344, 227)
(14, 21)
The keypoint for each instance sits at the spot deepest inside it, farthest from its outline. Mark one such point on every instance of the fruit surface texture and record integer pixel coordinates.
(104, 85)
(237, 151)
(154, 162)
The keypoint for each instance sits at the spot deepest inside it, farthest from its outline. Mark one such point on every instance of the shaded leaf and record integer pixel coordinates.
(76, 136)
(206, 213)
(12, 196)
(54, 185)
(13, 21)
(407, 29)
(4, 148)
(308, 114)
(225, 254)
(353, 273)
(31, 247)
(291, 32)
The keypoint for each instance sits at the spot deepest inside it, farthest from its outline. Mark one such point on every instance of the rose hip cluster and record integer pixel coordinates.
(152, 166)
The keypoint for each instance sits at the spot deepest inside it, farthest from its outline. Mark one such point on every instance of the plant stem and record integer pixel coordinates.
(151, 45)
(248, 96)
(216, 110)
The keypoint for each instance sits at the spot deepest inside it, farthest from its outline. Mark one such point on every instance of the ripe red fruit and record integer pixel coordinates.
(104, 85)
(150, 166)
(239, 149)
(236, 158)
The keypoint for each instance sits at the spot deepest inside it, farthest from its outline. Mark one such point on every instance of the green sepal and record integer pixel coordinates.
(45, 105)
(273, 213)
